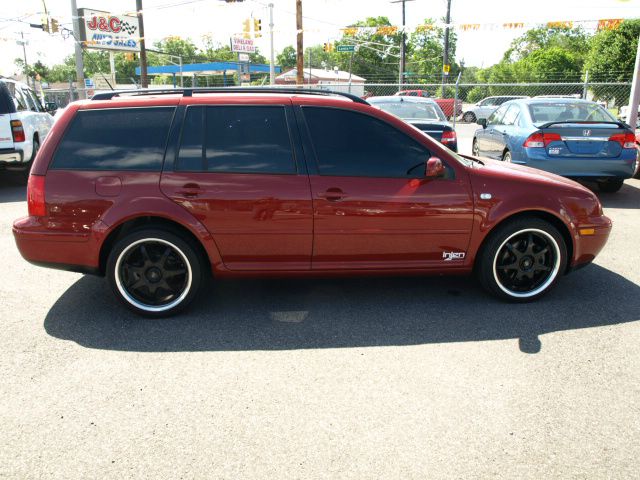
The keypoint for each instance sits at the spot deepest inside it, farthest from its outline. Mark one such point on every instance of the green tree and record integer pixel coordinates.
(425, 53)
(573, 40)
(287, 58)
(377, 58)
(611, 58)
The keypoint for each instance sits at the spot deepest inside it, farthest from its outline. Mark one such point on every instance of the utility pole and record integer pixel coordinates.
(445, 55)
(272, 68)
(78, 51)
(144, 83)
(403, 45)
(24, 53)
(634, 97)
(299, 45)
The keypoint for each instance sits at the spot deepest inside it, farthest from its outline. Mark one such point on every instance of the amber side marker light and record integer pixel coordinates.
(587, 231)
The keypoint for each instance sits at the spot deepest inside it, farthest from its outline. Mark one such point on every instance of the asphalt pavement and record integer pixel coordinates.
(350, 378)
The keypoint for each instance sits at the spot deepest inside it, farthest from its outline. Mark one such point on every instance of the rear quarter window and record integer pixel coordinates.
(6, 100)
(115, 139)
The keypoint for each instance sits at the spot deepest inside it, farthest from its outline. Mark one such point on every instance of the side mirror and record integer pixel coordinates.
(435, 168)
(51, 106)
(482, 122)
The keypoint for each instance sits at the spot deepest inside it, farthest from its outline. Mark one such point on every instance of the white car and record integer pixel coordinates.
(485, 107)
(24, 124)
(624, 114)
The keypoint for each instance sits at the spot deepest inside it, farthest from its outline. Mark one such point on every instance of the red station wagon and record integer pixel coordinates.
(160, 190)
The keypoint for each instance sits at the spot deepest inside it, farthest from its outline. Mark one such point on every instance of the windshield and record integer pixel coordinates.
(411, 110)
(567, 112)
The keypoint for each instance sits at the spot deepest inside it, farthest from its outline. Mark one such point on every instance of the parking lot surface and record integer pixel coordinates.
(349, 378)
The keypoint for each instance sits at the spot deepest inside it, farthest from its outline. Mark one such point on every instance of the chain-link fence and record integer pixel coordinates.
(611, 95)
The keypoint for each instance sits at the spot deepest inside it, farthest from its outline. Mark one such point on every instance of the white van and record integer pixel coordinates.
(24, 124)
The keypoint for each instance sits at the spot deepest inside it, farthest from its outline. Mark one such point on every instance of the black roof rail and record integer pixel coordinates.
(188, 92)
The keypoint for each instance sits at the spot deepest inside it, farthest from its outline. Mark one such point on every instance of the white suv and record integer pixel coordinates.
(485, 107)
(24, 124)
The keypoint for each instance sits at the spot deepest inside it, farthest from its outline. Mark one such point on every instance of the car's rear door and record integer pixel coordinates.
(237, 170)
(506, 130)
(487, 137)
(373, 206)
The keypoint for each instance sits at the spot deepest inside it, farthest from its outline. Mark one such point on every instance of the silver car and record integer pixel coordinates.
(485, 107)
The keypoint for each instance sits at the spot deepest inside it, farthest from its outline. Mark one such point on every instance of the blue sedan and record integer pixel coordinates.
(573, 138)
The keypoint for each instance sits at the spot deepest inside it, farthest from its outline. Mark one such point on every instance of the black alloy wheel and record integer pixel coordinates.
(522, 259)
(155, 272)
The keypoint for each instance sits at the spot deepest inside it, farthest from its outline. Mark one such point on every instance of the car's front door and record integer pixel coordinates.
(492, 138)
(373, 206)
(237, 172)
(503, 131)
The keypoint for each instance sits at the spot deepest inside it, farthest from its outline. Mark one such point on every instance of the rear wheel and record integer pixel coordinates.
(475, 150)
(506, 156)
(469, 117)
(154, 272)
(636, 174)
(522, 260)
(611, 186)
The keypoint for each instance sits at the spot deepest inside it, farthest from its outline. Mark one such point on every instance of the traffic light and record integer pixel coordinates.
(328, 47)
(45, 24)
(257, 27)
(246, 28)
(129, 57)
(55, 27)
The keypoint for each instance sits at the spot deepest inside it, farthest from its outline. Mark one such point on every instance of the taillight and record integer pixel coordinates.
(626, 140)
(449, 136)
(35, 196)
(541, 140)
(17, 131)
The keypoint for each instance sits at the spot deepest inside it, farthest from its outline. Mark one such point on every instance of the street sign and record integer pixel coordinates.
(242, 45)
(446, 68)
(243, 57)
(106, 31)
(102, 83)
(346, 48)
(88, 83)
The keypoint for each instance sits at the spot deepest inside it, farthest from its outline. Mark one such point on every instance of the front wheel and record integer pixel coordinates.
(506, 157)
(154, 272)
(475, 149)
(522, 260)
(469, 117)
(611, 186)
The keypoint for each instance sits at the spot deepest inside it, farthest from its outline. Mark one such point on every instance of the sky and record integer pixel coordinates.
(323, 19)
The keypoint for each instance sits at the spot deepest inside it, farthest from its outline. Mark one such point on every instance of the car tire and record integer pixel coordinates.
(506, 156)
(469, 117)
(522, 260)
(611, 186)
(475, 149)
(636, 174)
(155, 272)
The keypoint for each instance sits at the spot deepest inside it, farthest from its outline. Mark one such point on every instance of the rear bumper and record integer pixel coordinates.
(581, 167)
(11, 157)
(40, 245)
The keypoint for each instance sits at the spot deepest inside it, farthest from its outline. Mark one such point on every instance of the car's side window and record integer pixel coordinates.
(236, 139)
(20, 101)
(35, 100)
(496, 117)
(349, 143)
(115, 139)
(30, 102)
(511, 115)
